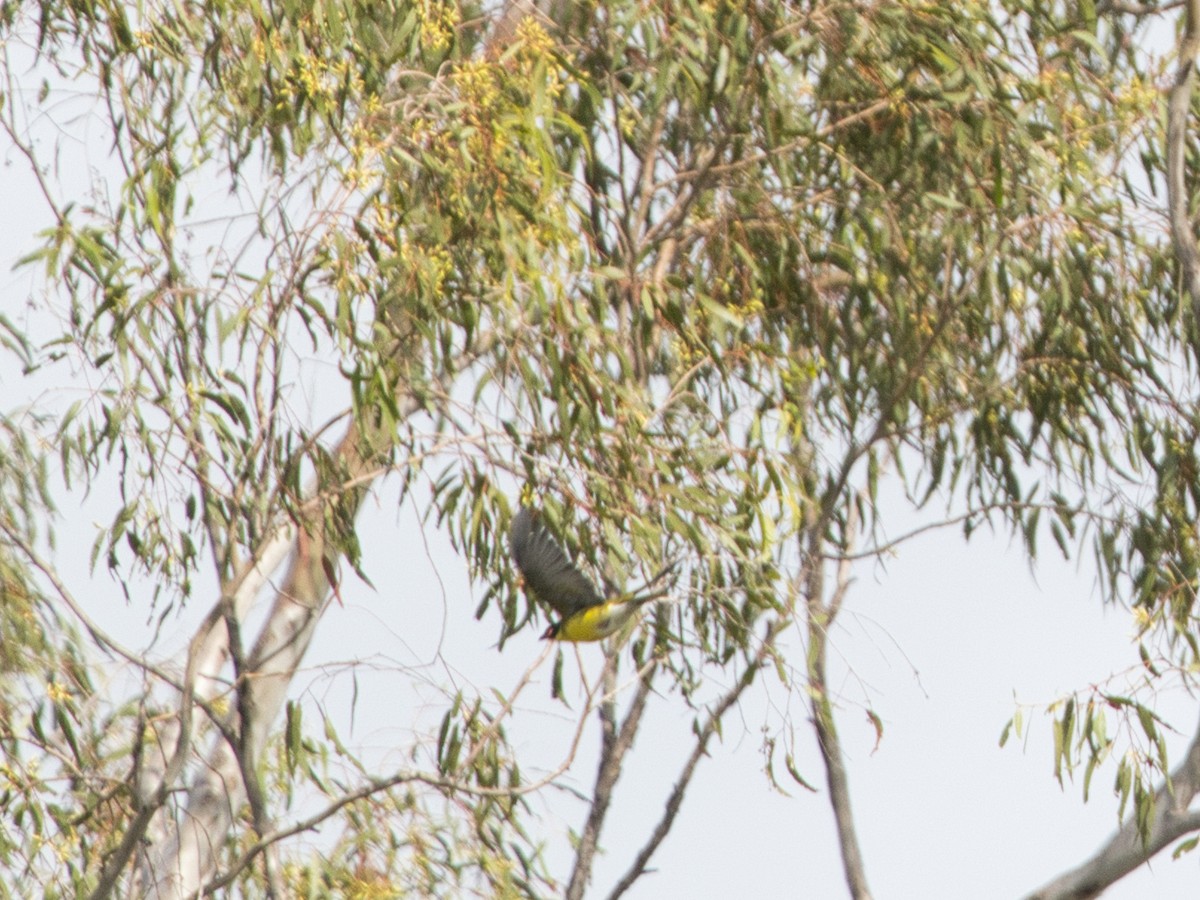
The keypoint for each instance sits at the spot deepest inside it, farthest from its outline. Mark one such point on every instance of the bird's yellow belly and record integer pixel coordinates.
(596, 623)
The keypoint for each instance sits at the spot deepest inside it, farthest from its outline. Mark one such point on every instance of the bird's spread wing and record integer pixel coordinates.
(548, 572)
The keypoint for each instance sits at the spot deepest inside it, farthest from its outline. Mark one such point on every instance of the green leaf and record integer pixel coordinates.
(293, 743)
(1185, 847)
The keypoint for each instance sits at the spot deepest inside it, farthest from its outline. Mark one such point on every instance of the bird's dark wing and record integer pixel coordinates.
(548, 572)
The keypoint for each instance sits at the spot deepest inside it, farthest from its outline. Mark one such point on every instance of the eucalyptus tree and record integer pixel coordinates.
(698, 277)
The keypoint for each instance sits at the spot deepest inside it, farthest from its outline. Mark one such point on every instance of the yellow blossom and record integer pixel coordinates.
(57, 692)
(436, 22)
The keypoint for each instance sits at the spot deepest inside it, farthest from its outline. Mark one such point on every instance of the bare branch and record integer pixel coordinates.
(703, 736)
(616, 744)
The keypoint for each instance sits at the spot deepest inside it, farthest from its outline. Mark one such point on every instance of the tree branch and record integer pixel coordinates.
(245, 748)
(821, 615)
(1126, 850)
(1137, 9)
(177, 867)
(1178, 199)
(614, 746)
(675, 800)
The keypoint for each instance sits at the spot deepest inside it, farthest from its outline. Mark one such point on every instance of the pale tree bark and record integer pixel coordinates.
(1179, 104)
(179, 866)
(219, 788)
(165, 753)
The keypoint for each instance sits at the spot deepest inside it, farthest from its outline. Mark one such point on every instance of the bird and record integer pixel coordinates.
(550, 576)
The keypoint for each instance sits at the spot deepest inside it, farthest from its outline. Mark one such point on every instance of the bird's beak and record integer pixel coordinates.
(550, 633)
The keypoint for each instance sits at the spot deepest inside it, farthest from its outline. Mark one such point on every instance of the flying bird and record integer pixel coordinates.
(553, 579)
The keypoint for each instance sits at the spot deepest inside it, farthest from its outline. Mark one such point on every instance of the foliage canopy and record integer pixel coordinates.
(703, 275)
